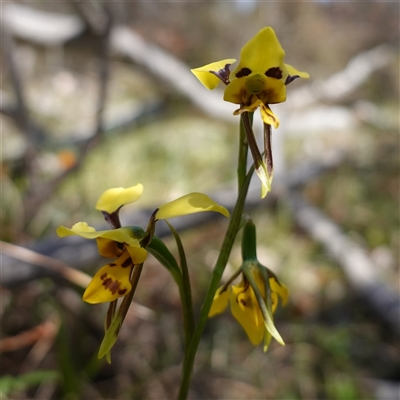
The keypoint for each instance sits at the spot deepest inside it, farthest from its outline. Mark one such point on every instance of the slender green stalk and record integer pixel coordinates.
(234, 225)
(243, 150)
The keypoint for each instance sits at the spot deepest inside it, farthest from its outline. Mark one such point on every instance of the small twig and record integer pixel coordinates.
(72, 275)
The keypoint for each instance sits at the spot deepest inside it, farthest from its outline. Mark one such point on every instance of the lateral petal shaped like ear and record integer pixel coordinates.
(113, 199)
(220, 302)
(206, 77)
(110, 282)
(294, 72)
(189, 204)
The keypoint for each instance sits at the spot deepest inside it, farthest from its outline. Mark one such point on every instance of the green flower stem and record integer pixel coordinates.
(234, 225)
(243, 150)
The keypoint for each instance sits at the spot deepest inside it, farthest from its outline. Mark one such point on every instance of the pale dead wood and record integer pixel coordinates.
(61, 268)
(360, 271)
(45, 28)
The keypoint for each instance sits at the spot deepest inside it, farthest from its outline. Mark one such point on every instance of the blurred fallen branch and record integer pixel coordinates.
(45, 28)
(360, 271)
(344, 82)
(55, 266)
(169, 69)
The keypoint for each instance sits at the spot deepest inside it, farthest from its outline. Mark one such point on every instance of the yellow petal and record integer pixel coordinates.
(109, 248)
(260, 54)
(220, 301)
(294, 72)
(235, 92)
(190, 204)
(110, 282)
(275, 91)
(82, 227)
(113, 199)
(280, 289)
(121, 235)
(245, 309)
(268, 116)
(258, 277)
(208, 79)
(138, 254)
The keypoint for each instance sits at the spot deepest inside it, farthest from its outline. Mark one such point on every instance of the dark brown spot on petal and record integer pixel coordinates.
(290, 79)
(112, 264)
(106, 282)
(243, 301)
(243, 72)
(127, 263)
(104, 276)
(111, 285)
(274, 72)
(122, 291)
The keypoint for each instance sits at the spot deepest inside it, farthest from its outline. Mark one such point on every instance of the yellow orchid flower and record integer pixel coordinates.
(259, 79)
(246, 307)
(112, 280)
(123, 243)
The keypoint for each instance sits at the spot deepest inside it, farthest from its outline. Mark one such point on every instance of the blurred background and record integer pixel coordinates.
(99, 94)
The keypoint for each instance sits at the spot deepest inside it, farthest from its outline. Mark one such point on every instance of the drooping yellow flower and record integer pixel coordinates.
(112, 280)
(124, 243)
(247, 307)
(259, 79)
